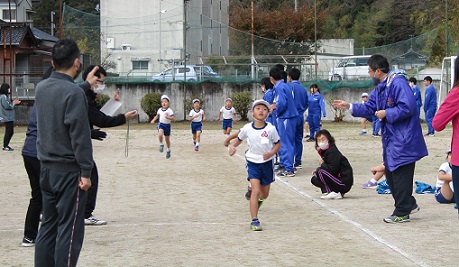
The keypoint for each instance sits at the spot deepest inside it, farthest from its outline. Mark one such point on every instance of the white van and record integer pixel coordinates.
(193, 73)
(350, 68)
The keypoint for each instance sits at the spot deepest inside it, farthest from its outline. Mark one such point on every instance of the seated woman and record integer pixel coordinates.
(444, 192)
(334, 176)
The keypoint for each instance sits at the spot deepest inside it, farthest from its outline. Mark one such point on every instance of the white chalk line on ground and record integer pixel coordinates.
(346, 219)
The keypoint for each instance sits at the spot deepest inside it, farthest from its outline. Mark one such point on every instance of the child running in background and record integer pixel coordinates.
(229, 116)
(378, 173)
(334, 175)
(444, 192)
(196, 117)
(264, 143)
(165, 116)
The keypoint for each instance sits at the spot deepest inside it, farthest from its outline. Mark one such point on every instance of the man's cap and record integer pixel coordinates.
(260, 102)
(229, 99)
(364, 95)
(195, 100)
(165, 97)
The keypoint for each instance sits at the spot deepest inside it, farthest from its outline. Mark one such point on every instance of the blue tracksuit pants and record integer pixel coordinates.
(299, 132)
(314, 124)
(286, 129)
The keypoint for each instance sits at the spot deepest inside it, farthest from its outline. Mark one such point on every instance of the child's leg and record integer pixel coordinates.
(160, 136)
(198, 137)
(256, 191)
(265, 191)
(225, 131)
(228, 130)
(446, 191)
(168, 142)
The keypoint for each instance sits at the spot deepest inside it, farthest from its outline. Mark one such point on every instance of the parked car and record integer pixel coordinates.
(193, 73)
(350, 68)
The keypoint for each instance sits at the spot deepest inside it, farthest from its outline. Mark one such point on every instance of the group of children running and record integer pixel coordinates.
(277, 120)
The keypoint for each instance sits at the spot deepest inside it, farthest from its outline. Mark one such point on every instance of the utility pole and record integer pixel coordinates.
(315, 38)
(252, 59)
(52, 22)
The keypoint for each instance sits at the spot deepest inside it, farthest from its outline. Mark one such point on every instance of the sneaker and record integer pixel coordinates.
(28, 242)
(279, 170)
(255, 225)
(431, 134)
(248, 193)
(332, 195)
(260, 202)
(168, 154)
(397, 219)
(94, 221)
(7, 148)
(369, 185)
(310, 140)
(362, 133)
(376, 135)
(161, 148)
(306, 136)
(415, 209)
(196, 148)
(286, 173)
(298, 166)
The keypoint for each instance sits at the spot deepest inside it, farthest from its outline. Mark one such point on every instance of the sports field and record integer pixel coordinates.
(190, 210)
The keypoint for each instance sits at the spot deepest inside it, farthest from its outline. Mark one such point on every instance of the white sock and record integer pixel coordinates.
(364, 130)
(373, 180)
(168, 150)
(197, 143)
(161, 144)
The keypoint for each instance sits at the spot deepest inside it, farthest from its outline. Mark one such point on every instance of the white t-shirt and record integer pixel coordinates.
(162, 118)
(446, 168)
(227, 113)
(194, 112)
(260, 140)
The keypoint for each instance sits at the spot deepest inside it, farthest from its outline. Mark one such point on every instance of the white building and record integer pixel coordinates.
(21, 11)
(147, 36)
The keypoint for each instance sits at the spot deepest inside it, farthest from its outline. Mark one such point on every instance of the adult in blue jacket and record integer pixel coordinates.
(393, 102)
(416, 93)
(287, 116)
(316, 107)
(430, 104)
(300, 96)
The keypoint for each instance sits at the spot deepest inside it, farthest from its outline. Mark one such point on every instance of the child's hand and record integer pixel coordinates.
(231, 150)
(313, 172)
(226, 142)
(152, 121)
(321, 162)
(267, 155)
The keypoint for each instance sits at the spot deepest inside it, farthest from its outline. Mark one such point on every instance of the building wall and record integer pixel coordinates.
(152, 31)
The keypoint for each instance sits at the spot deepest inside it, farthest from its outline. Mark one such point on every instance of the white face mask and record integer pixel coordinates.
(99, 88)
(323, 145)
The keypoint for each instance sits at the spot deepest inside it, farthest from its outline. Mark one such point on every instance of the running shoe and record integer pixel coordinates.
(255, 225)
(161, 148)
(397, 219)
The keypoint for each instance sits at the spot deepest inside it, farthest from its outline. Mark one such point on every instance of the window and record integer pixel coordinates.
(140, 65)
(6, 14)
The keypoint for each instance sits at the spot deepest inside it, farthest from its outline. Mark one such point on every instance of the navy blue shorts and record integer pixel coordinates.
(196, 126)
(261, 171)
(227, 123)
(166, 128)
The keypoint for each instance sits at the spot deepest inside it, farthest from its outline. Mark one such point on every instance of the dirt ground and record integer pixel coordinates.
(190, 210)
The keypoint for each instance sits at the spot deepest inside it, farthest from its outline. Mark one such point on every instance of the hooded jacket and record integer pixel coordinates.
(402, 139)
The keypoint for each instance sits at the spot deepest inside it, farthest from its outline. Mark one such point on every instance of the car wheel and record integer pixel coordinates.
(336, 78)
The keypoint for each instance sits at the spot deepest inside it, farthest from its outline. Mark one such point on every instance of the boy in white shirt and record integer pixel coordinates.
(229, 116)
(264, 143)
(165, 116)
(444, 192)
(196, 117)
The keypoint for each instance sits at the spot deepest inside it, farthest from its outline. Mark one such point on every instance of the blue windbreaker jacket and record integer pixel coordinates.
(285, 105)
(300, 96)
(402, 139)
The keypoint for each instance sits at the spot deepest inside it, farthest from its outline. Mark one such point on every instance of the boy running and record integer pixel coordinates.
(165, 116)
(264, 142)
(196, 117)
(229, 116)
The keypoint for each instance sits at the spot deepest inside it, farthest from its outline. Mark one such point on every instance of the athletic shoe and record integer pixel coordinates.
(431, 134)
(255, 225)
(248, 193)
(369, 185)
(397, 219)
(286, 173)
(94, 221)
(310, 140)
(306, 136)
(279, 170)
(168, 154)
(415, 209)
(376, 135)
(161, 148)
(362, 133)
(332, 195)
(7, 148)
(260, 202)
(298, 166)
(28, 242)
(196, 148)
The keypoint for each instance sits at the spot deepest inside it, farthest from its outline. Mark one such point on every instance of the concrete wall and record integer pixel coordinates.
(214, 95)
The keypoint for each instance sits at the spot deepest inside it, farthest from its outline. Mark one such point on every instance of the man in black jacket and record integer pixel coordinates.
(99, 119)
